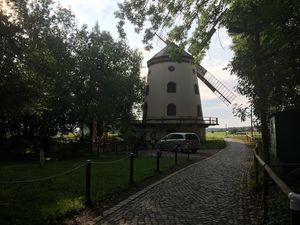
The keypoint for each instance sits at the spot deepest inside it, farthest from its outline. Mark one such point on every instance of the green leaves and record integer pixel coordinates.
(175, 19)
(55, 76)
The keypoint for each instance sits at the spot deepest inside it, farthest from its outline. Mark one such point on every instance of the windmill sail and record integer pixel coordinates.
(215, 85)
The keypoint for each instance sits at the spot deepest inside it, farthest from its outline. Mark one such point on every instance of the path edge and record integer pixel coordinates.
(146, 189)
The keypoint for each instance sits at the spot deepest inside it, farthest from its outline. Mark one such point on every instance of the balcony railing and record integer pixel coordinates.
(209, 121)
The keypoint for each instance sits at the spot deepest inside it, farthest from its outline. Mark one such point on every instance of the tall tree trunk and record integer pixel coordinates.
(82, 133)
(262, 96)
(265, 135)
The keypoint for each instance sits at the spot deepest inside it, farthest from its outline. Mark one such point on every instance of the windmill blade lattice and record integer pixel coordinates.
(215, 85)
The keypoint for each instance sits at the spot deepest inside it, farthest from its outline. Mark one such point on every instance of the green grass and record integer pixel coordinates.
(43, 202)
(214, 140)
(220, 135)
(215, 135)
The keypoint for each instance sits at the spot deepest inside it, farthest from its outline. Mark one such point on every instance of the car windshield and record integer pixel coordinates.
(191, 137)
(175, 136)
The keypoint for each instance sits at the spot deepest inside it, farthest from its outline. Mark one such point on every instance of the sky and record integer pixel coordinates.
(217, 57)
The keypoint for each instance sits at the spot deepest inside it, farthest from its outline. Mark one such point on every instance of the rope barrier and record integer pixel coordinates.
(111, 162)
(60, 174)
(44, 178)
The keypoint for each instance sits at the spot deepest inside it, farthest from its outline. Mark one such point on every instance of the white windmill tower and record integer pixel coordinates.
(172, 97)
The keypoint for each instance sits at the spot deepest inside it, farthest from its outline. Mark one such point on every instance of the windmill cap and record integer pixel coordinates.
(164, 56)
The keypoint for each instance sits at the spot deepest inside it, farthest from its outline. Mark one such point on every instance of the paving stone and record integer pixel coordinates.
(212, 191)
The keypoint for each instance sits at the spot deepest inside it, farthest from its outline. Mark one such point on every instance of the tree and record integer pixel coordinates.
(44, 61)
(265, 42)
(56, 76)
(106, 82)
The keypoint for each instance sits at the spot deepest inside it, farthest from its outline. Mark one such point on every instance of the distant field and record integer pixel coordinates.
(215, 135)
(215, 139)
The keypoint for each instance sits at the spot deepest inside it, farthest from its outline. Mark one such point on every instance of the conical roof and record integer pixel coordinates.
(163, 56)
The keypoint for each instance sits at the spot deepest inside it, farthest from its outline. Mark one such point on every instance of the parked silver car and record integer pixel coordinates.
(184, 142)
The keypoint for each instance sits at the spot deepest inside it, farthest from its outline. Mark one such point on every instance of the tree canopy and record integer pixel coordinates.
(56, 76)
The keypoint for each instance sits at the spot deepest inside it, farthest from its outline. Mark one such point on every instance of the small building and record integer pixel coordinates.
(284, 135)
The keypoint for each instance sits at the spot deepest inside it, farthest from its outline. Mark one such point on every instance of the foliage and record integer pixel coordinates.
(213, 144)
(56, 76)
(177, 16)
(106, 83)
(43, 202)
(279, 213)
(265, 60)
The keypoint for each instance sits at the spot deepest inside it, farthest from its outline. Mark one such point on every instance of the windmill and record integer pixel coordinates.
(216, 86)
(172, 101)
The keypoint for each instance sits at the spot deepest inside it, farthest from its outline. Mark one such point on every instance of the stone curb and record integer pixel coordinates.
(145, 190)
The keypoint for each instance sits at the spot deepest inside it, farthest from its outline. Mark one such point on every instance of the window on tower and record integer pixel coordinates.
(171, 87)
(196, 89)
(147, 90)
(171, 110)
(171, 68)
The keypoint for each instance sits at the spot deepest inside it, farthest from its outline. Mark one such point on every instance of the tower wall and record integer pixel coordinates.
(185, 99)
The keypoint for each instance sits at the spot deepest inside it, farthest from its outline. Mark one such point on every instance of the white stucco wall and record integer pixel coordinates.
(185, 99)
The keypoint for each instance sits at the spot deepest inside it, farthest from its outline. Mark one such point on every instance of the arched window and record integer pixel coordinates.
(171, 110)
(147, 90)
(145, 110)
(171, 87)
(199, 111)
(196, 89)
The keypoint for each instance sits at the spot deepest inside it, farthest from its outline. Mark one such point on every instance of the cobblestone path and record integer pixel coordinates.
(210, 192)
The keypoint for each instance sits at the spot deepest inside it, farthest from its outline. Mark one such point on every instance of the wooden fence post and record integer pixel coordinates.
(294, 208)
(88, 183)
(157, 160)
(131, 168)
(265, 196)
(256, 166)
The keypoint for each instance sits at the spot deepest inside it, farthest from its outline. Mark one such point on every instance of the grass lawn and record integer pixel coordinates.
(41, 202)
(217, 135)
(214, 140)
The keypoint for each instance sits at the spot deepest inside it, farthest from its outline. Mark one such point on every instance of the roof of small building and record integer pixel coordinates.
(163, 56)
